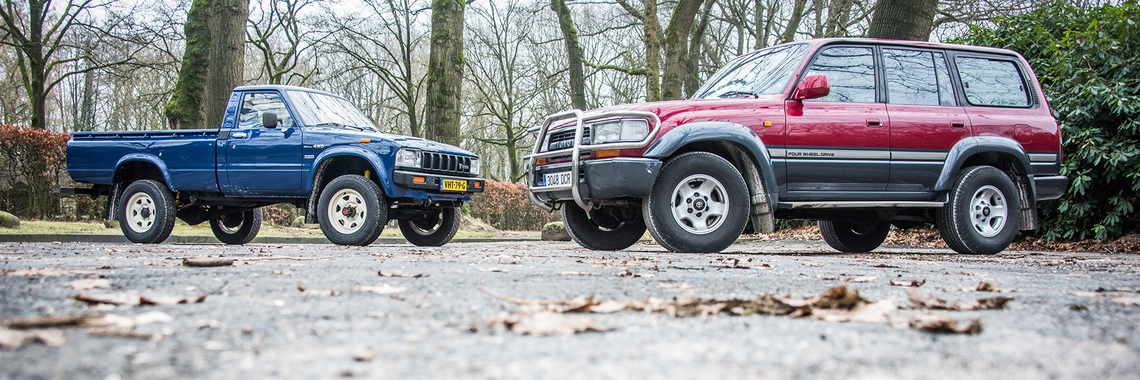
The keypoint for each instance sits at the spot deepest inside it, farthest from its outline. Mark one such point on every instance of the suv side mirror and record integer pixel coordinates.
(269, 120)
(813, 86)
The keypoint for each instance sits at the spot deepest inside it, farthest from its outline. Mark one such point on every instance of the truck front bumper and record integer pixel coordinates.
(438, 183)
(598, 179)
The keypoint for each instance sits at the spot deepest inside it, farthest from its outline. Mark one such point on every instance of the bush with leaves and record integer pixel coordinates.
(1088, 61)
(507, 206)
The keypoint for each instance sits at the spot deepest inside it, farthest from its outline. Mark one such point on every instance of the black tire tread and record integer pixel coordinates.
(251, 225)
(842, 237)
(732, 228)
(369, 190)
(957, 233)
(587, 234)
(449, 220)
(165, 212)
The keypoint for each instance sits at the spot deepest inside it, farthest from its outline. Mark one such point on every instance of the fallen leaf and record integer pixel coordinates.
(628, 274)
(382, 289)
(883, 266)
(1131, 301)
(860, 279)
(78, 320)
(941, 324)
(911, 283)
(122, 299)
(494, 270)
(89, 283)
(927, 301)
(13, 339)
(363, 354)
(545, 323)
(397, 273)
(208, 261)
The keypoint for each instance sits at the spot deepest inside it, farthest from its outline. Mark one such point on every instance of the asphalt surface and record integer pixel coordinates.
(256, 322)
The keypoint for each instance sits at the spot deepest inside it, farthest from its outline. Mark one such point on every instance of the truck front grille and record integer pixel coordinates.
(446, 163)
(564, 139)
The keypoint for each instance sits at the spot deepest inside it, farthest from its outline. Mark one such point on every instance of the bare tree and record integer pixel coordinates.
(278, 35)
(574, 54)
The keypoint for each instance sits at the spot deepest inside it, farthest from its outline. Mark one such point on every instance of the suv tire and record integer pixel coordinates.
(237, 228)
(699, 204)
(434, 229)
(852, 237)
(598, 230)
(983, 214)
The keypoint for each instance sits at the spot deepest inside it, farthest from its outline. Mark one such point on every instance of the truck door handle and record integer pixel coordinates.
(874, 123)
(238, 135)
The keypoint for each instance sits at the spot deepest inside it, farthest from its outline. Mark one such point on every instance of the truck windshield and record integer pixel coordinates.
(317, 109)
(763, 72)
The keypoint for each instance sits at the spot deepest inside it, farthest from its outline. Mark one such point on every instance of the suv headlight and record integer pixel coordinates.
(626, 130)
(475, 166)
(409, 158)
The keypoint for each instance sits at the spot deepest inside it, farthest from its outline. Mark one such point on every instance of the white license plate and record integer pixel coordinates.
(555, 179)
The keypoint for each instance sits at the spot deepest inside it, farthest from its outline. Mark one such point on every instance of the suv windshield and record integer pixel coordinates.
(317, 109)
(763, 72)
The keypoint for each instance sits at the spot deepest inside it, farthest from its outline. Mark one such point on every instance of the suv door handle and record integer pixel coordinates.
(957, 124)
(238, 135)
(874, 123)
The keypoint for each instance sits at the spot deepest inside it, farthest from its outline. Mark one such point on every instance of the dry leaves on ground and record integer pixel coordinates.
(944, 324)
(397, 273)
(544, 323)
(48, 330)
(133, 299)
(910, 283)
(927, 301)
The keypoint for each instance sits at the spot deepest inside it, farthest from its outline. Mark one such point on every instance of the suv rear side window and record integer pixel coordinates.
(991, 82)
(850, 72)
(917, 77)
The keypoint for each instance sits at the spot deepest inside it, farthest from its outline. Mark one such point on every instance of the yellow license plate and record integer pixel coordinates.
(453, 185)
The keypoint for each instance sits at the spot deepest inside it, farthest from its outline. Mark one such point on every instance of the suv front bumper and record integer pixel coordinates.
(598, 179)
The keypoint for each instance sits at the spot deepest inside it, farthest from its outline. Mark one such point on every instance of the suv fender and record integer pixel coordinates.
(970, 147)
(320, 164)
(755, 166)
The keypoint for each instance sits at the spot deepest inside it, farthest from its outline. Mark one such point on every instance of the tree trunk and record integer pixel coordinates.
(445, 72)
(903, 19)
(227, 56)
(838, 14)
(652, 53)
(692, 70)
(573, 53)
(677, 48)
(185, 110)
(794, 21)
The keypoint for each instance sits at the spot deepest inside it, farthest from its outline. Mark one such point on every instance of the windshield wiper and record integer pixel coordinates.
(339, 125)
(738, 94)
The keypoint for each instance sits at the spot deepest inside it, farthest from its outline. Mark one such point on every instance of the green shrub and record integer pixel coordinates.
(1087, 61)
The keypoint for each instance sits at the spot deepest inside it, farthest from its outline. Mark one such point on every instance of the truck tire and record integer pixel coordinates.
(853, 238)
(237, 228)
(352, 210)
(983, 214)
(699, 204)
(432, 230)
(599, 231)
(146, 212)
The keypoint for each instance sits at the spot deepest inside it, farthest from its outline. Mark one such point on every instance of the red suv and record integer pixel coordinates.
(858, 134)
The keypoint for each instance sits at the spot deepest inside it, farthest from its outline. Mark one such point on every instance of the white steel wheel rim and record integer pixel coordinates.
(140, 212)
(988, 211)
(699, 204)
(347, 211)
(230, 230)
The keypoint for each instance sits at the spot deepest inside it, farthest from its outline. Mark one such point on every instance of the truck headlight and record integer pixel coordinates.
(627, 130)
(409, 158)
(475, 166)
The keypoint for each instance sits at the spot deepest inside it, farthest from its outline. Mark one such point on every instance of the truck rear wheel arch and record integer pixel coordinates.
(335, 166)
(128, 171)
(1002, 153)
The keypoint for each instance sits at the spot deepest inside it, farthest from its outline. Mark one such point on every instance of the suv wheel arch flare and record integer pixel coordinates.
(763, 191)
(959, 158)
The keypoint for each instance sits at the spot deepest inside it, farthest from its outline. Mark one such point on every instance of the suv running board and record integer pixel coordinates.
(859, 204)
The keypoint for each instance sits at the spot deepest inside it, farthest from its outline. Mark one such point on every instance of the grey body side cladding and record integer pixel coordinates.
(757, 169)
(969, 147)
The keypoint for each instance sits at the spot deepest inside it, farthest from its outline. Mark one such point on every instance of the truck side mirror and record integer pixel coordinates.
(269, 119)
(812, 87)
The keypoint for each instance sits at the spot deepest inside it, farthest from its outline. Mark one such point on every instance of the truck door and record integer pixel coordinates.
(926, 120)
(259, 160)
(839, 142)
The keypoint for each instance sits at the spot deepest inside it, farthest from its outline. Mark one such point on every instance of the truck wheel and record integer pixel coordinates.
(432, 230)
(600, 231)
(352, 210)
(852, 237)
(237, 228)
(983, 213)
(699, 204)
(146, 212)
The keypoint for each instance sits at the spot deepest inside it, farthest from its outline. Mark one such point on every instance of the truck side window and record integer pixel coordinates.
(850, 72)
(917, 77)
(254, 104)
(990, 82)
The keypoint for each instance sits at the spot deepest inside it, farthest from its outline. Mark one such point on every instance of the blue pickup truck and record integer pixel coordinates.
(278, 144)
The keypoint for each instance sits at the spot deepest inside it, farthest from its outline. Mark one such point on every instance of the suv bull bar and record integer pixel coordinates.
(577, 149)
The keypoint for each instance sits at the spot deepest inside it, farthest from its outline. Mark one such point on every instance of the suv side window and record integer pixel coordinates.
(991, 82)
(254, 104)
(917, 77)
(850, 72)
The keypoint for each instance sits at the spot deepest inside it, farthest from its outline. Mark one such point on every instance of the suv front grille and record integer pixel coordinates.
(564, 139)
(446, 163)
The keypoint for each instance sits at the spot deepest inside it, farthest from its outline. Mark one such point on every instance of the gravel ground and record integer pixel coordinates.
(256, 322)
